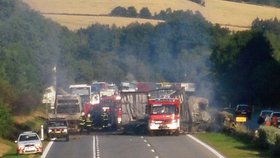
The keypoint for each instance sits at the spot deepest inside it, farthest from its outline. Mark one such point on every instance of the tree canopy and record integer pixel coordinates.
(227, 67)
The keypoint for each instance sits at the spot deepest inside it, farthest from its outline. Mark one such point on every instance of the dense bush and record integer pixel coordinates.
(5, 121)
(275, 151)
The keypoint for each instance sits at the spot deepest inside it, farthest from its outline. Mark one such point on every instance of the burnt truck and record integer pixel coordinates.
(190, 113)
(68, 107)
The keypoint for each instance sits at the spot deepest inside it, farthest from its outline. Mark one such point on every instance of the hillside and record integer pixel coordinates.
(236, 16)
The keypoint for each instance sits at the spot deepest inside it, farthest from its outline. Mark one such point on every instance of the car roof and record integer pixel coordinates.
(267, 111)
(28, 132)
(242, 105)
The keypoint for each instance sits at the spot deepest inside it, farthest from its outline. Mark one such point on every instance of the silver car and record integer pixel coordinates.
(29, 143)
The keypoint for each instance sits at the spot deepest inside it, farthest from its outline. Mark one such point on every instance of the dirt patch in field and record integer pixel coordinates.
(4, 148)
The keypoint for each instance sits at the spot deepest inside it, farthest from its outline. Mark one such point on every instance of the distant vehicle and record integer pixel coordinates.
(275, 119)
(29, 143)
(243, 110)
(128, 87)
(263, 115)
(57, 128)
(83, 90)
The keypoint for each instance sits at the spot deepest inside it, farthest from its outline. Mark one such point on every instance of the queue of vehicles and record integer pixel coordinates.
(100, 106)
(266, 117)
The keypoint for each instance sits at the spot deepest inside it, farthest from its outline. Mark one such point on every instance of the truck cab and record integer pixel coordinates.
(163, 115)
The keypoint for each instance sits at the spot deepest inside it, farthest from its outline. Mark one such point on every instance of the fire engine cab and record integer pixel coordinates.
(163, 115)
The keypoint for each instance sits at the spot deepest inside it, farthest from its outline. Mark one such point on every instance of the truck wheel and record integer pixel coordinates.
(177, 133)
(152, 133)
(67, 138)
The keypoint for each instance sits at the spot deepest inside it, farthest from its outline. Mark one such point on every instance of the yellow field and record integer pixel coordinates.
(215, 11)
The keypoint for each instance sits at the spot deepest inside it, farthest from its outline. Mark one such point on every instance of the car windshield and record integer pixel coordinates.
(56, 123)
(68, 109)
(28, 137)
(276, 114)
(264, 113)
(243, 107)
(163, 109)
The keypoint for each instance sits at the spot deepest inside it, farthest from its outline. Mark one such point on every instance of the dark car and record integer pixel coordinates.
(263, 115)
(57, 128)
(243, 110)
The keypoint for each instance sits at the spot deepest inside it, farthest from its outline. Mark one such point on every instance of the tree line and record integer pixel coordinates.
(227, 67)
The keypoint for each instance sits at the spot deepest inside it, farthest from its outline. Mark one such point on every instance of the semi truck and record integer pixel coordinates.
(68, 107)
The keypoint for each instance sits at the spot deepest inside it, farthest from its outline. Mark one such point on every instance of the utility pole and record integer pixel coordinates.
(55, 89)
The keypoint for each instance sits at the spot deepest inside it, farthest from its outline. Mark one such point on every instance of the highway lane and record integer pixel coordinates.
(79, 146)
(178, 146)
(104, 145)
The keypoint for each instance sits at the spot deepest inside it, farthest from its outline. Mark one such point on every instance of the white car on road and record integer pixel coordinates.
(29, 143)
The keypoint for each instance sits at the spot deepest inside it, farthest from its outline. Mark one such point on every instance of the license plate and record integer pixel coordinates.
(57, 131)
(163, 127)
(240, 119)
(29, 148)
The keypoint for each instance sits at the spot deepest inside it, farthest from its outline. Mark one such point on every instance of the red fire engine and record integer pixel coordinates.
(106, 114)
(163, 115)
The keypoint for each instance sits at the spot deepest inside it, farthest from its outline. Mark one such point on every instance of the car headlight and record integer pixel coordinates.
(38, 145)
(65, 130)
(174, 121)
(20, 146)
(88, 115)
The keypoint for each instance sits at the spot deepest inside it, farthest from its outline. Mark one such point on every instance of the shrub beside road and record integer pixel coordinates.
(236, 140)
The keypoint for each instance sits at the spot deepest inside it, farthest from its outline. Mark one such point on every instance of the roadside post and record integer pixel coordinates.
(42, 132)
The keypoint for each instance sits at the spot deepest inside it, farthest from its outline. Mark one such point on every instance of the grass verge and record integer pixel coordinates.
(23, 123)
(229, 146)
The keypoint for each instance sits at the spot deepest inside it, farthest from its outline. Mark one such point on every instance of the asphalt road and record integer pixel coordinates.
(106, 145)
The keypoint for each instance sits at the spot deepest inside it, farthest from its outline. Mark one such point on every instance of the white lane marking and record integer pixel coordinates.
(206, 146)
(152, 150)
(93, 145)
(46, 150)
(97, 148)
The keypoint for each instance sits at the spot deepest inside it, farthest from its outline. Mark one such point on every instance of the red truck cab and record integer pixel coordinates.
(163, 115)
